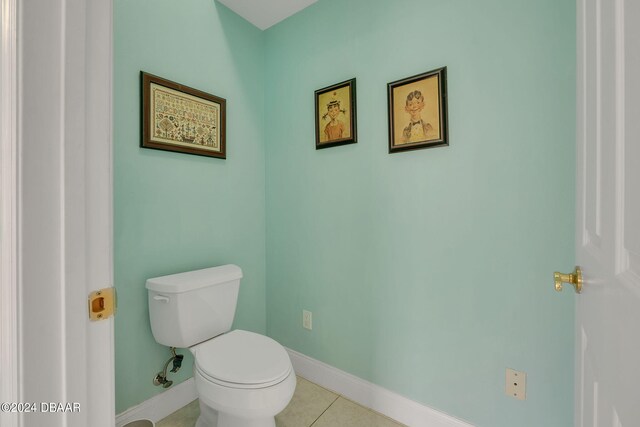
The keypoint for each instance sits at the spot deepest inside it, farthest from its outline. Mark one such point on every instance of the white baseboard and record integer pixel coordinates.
(353, 388)
(370, 395)
(161, 405)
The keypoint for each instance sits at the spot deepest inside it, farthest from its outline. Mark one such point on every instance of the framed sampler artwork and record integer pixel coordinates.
(179, 118)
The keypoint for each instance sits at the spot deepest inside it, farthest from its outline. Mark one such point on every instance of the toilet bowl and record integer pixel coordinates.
(243, 378)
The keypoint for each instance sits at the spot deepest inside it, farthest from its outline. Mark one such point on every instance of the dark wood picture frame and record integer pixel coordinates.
(179, 118)
(418, 111)
(330, 103)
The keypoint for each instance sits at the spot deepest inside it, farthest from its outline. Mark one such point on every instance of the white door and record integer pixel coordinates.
(55, 69)
(608, 214)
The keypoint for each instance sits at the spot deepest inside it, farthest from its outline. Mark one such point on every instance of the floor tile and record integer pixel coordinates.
(345, 413)
(308, 403)
(311, 405)
(184, 417)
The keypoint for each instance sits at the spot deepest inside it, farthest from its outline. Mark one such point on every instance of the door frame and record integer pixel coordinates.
(56, 208)
(9, 296)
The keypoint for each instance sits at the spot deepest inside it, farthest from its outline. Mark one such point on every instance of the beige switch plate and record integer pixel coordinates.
(516, 384)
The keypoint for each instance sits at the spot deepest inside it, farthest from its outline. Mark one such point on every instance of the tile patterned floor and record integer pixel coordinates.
(311, 405)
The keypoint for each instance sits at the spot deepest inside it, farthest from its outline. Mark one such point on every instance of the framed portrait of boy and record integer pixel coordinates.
(336, 115)
(179, 118)
(418, 111)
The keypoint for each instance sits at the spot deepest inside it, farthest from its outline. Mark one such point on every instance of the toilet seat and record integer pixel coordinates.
(242, 359)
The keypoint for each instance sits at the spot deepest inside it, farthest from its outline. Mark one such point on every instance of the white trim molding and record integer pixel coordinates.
(372, 396)
(353, 388)
(161, 405)
(9, 156)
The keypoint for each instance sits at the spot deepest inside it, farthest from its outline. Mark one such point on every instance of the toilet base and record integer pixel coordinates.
(209, 417)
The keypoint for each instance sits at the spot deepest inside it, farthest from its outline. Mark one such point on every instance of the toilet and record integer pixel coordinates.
(243, 379)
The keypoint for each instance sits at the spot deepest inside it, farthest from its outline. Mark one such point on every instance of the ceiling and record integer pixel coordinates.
(265, 13)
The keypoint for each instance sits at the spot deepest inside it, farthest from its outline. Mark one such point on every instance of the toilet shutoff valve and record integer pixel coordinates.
(161, 377)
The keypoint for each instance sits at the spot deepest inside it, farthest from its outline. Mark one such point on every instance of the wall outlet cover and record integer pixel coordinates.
(516, 384)
(307, 321)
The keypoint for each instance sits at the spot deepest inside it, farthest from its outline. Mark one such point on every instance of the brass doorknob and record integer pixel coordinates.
(574, 278)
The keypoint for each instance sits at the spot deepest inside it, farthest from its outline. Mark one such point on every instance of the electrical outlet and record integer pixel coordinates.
(307, 321)
(516, 385)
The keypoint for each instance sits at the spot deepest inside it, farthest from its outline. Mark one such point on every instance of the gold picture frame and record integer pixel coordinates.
(418, 111)
(336, 115)
(182, 119)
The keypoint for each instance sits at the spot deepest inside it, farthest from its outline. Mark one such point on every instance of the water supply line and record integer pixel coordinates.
(161, 377)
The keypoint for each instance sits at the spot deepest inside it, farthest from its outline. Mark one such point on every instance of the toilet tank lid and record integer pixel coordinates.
(192, 280)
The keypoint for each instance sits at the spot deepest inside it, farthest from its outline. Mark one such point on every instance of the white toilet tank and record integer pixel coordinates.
(188, 308)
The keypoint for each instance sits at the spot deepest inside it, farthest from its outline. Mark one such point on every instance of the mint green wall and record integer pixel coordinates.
(176, 212)
(429, 272)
